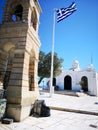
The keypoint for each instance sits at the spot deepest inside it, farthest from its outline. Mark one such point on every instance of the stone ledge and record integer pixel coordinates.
(74, 110)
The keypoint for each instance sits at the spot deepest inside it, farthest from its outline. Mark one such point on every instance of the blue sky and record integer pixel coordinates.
(75, 37)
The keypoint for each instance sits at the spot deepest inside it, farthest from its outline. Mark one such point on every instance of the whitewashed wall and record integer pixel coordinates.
(76, 76)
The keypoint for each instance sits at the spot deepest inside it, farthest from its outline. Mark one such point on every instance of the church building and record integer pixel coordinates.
(76, 79)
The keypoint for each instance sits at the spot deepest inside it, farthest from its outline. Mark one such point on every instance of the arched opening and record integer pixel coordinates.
(32, 73)
(54, 81)
(7, 61)
(84, 83)
(17, 13)
(67, 83)
(34, 19)
(8, 67)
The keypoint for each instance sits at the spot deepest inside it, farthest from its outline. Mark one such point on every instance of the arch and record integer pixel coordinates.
(34, 19)
(54, 81)
(7, 47)
(17, 13)
(7, 54)
(84, 83)
(67, 83)
(14, 11)
(32, 66)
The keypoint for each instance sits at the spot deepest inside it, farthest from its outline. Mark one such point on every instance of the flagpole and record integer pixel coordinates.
(61, 14)
(52, 56)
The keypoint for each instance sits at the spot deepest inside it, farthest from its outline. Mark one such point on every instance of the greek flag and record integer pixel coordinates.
(65, 12)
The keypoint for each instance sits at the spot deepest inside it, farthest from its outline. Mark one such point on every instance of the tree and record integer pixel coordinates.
(44, 66)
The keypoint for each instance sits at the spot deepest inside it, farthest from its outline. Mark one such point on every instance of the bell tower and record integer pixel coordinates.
(19, 51)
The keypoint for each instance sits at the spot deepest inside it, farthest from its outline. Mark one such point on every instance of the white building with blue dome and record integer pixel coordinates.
(79, 80)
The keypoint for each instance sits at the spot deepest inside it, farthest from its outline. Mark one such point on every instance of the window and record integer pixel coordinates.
(17, 14)
(34, 19)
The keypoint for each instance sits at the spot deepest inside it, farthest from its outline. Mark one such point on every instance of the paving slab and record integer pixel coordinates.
(58, 120)
(84, 104)
(61, 119)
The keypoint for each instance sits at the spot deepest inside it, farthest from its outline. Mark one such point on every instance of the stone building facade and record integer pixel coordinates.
(19, 53)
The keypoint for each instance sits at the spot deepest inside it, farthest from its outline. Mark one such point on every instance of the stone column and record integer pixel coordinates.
(17, 85)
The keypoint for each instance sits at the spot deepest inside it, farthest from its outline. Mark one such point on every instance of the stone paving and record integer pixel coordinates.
(58, 120)
(83, 104)
(61, 119)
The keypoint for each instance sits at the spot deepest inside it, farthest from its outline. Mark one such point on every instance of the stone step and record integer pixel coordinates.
(80, 94)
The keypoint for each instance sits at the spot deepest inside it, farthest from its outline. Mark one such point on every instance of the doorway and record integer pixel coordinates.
(67, 83)
(84, 83)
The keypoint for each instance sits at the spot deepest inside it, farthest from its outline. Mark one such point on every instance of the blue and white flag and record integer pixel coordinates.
(65, 12)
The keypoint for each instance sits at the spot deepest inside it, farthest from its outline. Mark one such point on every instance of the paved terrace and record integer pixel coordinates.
(61, 118)
(71, 102)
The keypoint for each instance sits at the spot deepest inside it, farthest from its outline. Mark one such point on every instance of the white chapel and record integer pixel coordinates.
(79, 80)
